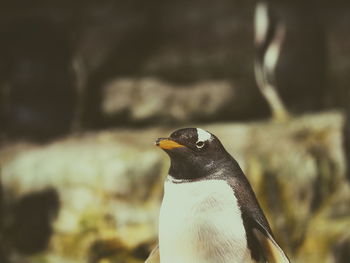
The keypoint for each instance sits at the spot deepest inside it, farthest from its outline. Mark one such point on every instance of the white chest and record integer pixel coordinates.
(200, 222)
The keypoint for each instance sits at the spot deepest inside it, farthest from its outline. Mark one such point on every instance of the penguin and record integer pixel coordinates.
(209, 212)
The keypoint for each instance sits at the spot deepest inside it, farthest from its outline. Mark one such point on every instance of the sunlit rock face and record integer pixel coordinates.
(97, 196)
(106, 195)
(150, 100)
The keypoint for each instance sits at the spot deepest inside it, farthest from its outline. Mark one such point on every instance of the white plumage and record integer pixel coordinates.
(200, 222)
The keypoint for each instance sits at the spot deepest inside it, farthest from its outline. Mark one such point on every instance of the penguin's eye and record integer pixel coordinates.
(200, 144)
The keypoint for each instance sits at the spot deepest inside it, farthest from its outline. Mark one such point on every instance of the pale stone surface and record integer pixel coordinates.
(151, 99)
(110, 184)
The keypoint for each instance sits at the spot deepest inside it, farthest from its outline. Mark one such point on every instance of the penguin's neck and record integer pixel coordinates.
(184, 171)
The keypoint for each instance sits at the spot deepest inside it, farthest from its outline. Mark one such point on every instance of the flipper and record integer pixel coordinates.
(272, 252)
(154, 256)
(260, 239)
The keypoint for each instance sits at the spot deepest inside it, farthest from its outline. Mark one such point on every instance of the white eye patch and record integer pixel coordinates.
(203, 135)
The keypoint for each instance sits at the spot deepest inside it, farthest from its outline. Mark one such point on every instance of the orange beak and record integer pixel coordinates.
(167, 144)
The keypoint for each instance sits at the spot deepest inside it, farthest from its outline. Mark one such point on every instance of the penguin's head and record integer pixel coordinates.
(193, 152)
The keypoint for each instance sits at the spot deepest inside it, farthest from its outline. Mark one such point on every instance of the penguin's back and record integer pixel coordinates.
(201, 222)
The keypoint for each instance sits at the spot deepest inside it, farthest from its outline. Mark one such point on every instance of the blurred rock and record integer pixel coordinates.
(328, 231)
(110, 186)
(105, 183)
(179, 44)
(145, 100)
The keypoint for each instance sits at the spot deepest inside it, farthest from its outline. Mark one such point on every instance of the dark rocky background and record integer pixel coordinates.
(86, 87)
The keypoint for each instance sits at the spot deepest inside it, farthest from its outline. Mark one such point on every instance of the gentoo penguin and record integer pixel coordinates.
(209, 212)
